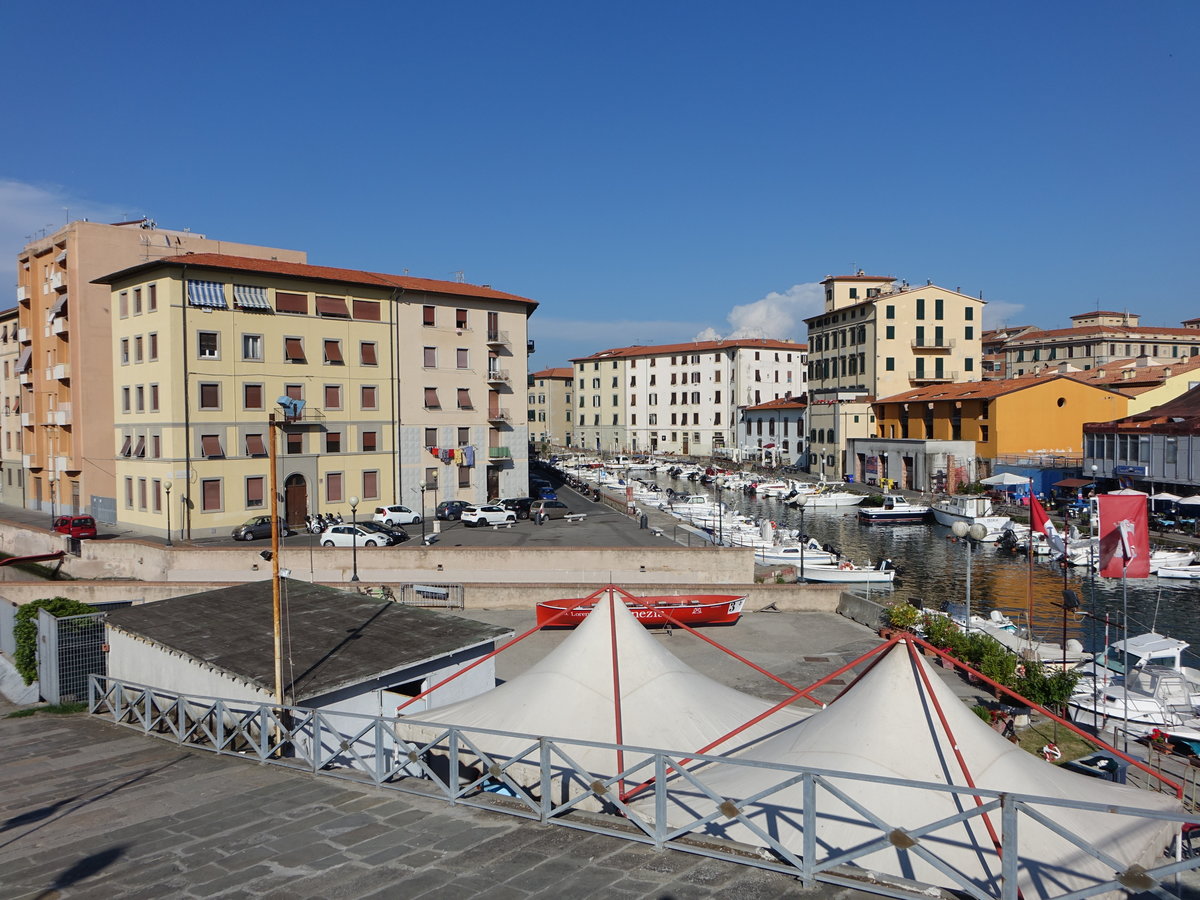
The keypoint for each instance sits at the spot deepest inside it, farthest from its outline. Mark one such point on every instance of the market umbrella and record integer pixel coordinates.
(1193, 500)
(1166, 495)
(1005, 478)
(1129, 492)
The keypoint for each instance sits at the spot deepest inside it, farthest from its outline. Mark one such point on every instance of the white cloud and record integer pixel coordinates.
(777, 315)
(29, 210)
(999, 313)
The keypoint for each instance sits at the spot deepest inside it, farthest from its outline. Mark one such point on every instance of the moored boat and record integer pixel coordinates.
(848, 573)
(895, 510)
(690, 609)
(1188, 572)
(972, 509)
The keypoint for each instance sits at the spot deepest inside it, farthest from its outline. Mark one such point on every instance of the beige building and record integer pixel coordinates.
(400, 389)
(12, 475)
(1148, 382)
(774, 430)
(876, 338)
(551, 407)
(680, 398)
(1096, 339)
(65, 362)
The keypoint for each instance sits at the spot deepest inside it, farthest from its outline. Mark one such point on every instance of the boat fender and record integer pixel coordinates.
(1051, 753)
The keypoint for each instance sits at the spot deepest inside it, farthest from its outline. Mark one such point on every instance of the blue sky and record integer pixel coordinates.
(648, 172)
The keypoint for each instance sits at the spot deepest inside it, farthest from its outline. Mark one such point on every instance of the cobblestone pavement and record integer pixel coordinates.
(92, 810)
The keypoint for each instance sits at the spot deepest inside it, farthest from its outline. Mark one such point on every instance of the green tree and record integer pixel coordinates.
(25, 629)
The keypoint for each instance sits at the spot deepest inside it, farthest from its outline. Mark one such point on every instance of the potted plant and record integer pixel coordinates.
(902, 616)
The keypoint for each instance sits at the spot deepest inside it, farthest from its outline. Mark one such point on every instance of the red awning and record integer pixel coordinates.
(1074, 482)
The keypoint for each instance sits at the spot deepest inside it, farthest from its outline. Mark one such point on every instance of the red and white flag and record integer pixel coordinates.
(1124, 536)
(1040, 521)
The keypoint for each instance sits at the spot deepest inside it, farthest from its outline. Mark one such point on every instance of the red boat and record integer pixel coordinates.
(688, 609)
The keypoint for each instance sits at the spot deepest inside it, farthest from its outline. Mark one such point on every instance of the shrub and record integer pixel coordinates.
(902, 615)
(25, 630)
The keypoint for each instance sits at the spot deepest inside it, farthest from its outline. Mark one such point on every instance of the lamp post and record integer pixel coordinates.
(802, 500)
(167, 485)
(354, 537)
(970, 534)
(423, 487)
(720, 483)
(1091, 513)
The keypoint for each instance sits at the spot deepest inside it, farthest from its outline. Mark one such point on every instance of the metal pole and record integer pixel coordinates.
(276, 605)
(354, 535)
(167, 487)
(422, 487)
(970, 555)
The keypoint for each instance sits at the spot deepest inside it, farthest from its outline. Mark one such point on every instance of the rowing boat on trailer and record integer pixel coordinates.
(688, 609)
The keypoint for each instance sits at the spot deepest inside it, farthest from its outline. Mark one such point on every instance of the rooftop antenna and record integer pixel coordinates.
(460, 276)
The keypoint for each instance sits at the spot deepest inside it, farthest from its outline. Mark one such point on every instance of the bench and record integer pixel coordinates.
(502, 525)
(575, 518)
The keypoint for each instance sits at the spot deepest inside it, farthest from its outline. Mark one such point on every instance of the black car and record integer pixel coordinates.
(451, 510)
(395, 532)
(519, 505)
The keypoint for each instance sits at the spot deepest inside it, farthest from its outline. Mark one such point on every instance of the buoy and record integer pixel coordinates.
(1051, 753)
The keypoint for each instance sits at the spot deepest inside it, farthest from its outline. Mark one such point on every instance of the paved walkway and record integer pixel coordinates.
(93, 810)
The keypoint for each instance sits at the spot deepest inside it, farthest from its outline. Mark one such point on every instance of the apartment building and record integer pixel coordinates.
(1148, 382)
(65, 364)
(1157, 449)
(1096, 339)
(385, 388)
(877, 337)
(680, 398)
(773, 431)
(12, 475)
(551, 411)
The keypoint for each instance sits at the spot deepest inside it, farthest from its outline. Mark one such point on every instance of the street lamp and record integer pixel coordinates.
(167, 485)
(719, 481)
(354, 536)
(971, 534)
(423, 487)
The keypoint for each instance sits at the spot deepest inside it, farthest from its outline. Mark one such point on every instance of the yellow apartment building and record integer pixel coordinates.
(405, 386)
(65, 363)
(1015, 417)
(550, 406)
(12, 474)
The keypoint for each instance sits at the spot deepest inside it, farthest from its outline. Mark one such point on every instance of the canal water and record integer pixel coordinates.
(933, 566)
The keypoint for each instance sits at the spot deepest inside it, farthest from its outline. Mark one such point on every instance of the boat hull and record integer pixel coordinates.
(689, 609)
(878, 516)
(1189, 573)
(839, 575)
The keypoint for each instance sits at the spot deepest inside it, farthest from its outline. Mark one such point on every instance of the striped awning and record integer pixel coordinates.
(23, 359)
(58, 308)
(249, 297)
(207, 293)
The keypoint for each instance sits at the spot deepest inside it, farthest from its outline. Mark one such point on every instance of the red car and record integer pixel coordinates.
(76, 526)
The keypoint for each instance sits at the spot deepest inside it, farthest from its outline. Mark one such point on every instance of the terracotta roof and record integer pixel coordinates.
(564, 372)
(694, 347)
(1096, 330)
(319, 273)
(1102, 312)
(977, 390)
(781, 403)
(829, 278)
(1180, 415)
(1147, 375)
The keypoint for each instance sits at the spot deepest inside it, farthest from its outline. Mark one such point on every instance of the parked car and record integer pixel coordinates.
(519, 505)
(451, 510)
(551, 509)
(395, 533)
(76, 526)
(545, 492)
(487, 515)
(258, 527)
(344, 536)
(396, 515)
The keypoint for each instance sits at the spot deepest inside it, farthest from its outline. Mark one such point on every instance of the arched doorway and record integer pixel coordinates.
(295, 500)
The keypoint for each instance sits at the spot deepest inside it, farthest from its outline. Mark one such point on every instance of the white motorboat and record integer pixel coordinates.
(974, 509)
(1015, 540)
(1137, 652)
(895, 510)
(1173, 557)
(828, 498)
(791, 554)
(1189, 572)
(1149, 697)
(848, 573)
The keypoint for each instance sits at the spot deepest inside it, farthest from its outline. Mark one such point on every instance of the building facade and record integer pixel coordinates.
(65, 364)
(1096, 339)
(774, 432)
(551, 410)
(386, 388)
(680, 398)
(12, 473)
(876, 338)
(1155, 450)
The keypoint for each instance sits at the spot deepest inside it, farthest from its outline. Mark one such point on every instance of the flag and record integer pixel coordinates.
(1124, 537)
(1041, 522)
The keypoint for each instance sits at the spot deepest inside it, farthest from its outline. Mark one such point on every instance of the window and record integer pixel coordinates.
(463, 358)
(294, 391)
(369, 441)
(938, 307)
(129, 493)
(138, 346)
(969, 364)
(295, 443)
(920, 307)
(367, 354)
(333, 353)
(429, 315)
(889, 312)
(366, 309)
(370, 484)
(369, 396)
(430, 358)
(333, 396)
(983, 432)
(969, 334)
(210, 395)
(431, 438)
(333, 442)
(252, 396)
(154, 398)
(140, 393)
(207, 345)
(889, 364)
(464, 399)
(153, 345)
(460, 318)
(255, 446)
(156, 446)
(123, 310)
(970, 313)
(156, 494)
(889, 332)
(431, 399)
(152, 298)
(291, 303)
(210, 446)
(333, 487)
(334, 307)
(464, 476)
(254, 492)
(124, 351)
(293, 350)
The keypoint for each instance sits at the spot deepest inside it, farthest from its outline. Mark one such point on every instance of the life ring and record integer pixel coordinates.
(845, 565)
(1020, 671)
(1051, 753)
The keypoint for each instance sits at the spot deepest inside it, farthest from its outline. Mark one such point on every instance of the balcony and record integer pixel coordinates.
(930, 346)
(932, 377)
(62, 464)
(25, 378)
(498, 339)
(25, 422)
(499, 416)
(58, 281)
(22, 294)
(22, 335)
(59, 326)
(61, 372)
(499, 453)
(27, 461)
(61, 416)
(498, 376)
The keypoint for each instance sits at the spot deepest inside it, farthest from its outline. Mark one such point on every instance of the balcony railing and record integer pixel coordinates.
(25, 420)
(61, 416)
(499, 338)
(498, 376)
(934, 346)
(59, 326)
(22, 294)
(499, 415)
(61, 372)
(22, 335)
(25, 378)
(933, 376)
(499, 453)
(58, 281)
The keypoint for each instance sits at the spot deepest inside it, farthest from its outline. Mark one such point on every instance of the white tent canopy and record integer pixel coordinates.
(570, 694)
(1004, 478)
(1128, 492)
(1190, 501)
(888, 724)
(1165, 496)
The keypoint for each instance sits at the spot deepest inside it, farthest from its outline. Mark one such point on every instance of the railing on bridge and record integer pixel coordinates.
(658, 797)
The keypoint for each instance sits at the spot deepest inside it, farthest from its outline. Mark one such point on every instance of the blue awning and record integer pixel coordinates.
(207, 293)
(249, 297)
